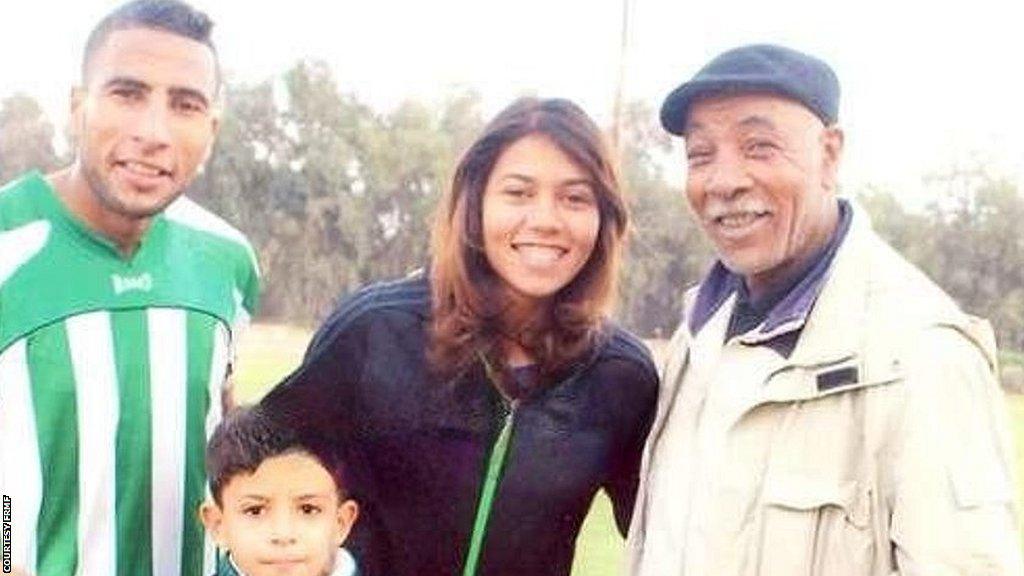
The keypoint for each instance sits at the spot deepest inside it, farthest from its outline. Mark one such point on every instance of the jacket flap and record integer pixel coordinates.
(795, 383)
(806, 493)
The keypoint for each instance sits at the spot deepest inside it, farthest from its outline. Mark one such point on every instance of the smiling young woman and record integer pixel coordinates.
(491, 397)
(534, 216)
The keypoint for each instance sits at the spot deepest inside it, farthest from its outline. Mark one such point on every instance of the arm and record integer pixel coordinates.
(246, 294)
(640, 386)
(952, 496)
(322, 398)
(319, 396)
(239, 328)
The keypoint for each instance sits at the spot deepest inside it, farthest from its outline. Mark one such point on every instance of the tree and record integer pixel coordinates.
(245, 182)
(908, 232)
(979, 248)
(335, 195)
(26, 138)
(332, 194)
(968, 240)
(667, 252)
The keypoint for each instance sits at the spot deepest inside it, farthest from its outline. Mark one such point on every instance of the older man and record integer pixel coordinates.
(119, 303)
(826, 409)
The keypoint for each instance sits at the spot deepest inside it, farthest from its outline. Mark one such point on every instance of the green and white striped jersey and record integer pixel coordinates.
(111, 372)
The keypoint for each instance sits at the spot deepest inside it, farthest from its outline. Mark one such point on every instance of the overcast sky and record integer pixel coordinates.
(923, 88)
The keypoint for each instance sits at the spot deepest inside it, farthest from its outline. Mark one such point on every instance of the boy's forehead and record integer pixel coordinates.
(292, 475)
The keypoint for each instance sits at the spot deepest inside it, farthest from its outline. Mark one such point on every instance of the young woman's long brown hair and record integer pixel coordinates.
(469, 302)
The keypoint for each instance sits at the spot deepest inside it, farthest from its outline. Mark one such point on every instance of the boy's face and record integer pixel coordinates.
(284, 519)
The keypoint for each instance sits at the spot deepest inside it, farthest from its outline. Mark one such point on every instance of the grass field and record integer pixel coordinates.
(1007, 358)
(270, 352)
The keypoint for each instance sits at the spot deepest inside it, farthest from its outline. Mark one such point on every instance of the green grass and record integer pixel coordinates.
(268, 354)
(599, 546)
(1011, 358)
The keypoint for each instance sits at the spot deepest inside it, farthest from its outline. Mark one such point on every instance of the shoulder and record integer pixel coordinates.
(186, 212)
(894, 291)
(408, 296)
(621, 343)
(626, 357)
(951, 359)
(187, 215)
(621, 383)
(19, 201)
(918, 333)
(904, 318)
(400, 303)
(25, 225)
(902, 302)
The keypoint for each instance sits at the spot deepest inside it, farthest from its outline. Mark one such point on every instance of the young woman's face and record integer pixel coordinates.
(540, 219)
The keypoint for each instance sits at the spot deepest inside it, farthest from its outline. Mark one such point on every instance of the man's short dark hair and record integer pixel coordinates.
(171, 16)
(248, 436)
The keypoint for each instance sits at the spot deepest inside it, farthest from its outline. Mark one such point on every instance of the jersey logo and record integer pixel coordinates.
(142, 283)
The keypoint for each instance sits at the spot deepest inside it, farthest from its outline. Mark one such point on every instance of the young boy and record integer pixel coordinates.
(279, 505)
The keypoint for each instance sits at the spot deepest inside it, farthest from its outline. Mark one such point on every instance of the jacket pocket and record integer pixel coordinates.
(815, 527)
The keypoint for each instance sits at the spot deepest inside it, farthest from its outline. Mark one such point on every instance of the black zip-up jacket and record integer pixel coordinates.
(418, 447)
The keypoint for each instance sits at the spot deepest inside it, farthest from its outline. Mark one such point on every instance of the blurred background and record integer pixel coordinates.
(343, 121)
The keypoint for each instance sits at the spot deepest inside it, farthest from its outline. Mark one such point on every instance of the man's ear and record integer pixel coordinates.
(213, 519)
(348, 512)
(832, 142)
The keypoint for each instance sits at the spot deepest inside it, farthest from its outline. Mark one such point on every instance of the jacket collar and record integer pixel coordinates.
(836, 328)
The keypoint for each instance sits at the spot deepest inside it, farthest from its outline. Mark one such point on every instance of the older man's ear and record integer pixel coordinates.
(832, 140)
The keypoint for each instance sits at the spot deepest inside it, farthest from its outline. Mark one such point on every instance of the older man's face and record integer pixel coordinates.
(761, 181)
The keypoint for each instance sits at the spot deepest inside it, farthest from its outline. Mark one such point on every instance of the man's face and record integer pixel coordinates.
(761, 181)
(144, 120)
(284, 519)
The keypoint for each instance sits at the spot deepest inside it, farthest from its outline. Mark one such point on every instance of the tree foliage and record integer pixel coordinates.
(334, 195)
(667, 252)
(26, 137)
(969, 240)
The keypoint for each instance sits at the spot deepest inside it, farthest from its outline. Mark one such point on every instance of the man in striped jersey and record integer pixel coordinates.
(119, 301)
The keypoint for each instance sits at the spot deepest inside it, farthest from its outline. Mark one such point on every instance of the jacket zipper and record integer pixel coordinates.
(495, 466)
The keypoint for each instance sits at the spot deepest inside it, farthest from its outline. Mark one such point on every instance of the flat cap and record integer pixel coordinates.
(758, 68)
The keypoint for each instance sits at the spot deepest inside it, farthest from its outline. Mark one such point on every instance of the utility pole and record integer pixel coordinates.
(616, 134)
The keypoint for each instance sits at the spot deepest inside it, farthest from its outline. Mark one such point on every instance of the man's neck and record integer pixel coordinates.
(75, 193)
(780, 280)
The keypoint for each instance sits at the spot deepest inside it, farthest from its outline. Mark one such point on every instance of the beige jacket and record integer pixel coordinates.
(903, 468)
